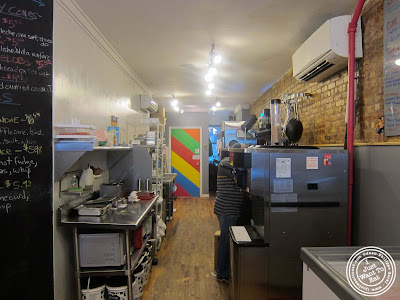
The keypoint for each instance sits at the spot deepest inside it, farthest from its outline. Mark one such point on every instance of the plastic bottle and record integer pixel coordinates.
(74, 182)
(87, 178)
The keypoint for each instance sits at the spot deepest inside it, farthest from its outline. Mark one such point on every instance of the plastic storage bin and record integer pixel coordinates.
(101, 250)
(74, 131)
(138, 273)
(138, 237)
(135, 289)
(73, 145)
(117, 288)
(146, 264)
(94, 294)
(93, 288)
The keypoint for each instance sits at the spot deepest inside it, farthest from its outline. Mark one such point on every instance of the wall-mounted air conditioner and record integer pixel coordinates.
(326, 51)
(147, 104)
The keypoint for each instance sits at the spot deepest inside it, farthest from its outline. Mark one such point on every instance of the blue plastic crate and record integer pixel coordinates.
(74, 145)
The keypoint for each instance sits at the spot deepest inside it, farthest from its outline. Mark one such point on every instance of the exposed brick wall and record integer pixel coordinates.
(323, 115)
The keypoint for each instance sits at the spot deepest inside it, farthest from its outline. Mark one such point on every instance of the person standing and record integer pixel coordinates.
(228, 207)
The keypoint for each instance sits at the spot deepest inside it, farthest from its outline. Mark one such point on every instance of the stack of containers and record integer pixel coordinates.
(74, 137)
(138, 274)
(116, 288)
(142, 270)
(95, 289)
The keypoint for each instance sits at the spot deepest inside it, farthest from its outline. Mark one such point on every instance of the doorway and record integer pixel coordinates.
(185, 147)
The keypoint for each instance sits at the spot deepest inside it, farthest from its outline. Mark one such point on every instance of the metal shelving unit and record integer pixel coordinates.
(112, 148)
(138, 212)
(156, 151)
(78, 194)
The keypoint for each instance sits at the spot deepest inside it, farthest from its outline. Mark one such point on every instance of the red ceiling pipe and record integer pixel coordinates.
(350, 117)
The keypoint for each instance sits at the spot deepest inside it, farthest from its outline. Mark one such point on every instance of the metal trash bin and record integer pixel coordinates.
(249, 266)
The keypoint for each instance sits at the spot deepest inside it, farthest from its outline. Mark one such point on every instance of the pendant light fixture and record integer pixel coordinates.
(212, 70)
(217, 103)
(174, 104)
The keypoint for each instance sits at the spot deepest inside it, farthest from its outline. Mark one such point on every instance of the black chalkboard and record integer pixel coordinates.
(26, 227)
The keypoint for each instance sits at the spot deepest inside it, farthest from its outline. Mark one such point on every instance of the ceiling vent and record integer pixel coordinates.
(147, 104)
(325, 52)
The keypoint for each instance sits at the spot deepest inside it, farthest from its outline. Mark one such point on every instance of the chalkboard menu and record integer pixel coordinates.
(391, 46)
(26, 244)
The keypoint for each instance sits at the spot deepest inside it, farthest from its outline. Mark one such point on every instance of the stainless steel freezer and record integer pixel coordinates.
(298, 198)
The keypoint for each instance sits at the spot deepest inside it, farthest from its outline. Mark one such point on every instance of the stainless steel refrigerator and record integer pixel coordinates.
(298, 198)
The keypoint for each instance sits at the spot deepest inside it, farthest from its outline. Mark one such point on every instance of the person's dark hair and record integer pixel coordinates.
(231, 143)
(237, 145)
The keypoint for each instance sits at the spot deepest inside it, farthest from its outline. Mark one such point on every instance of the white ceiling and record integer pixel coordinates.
(167, 42)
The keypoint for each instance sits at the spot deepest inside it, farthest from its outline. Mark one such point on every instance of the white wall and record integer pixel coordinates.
(219, 116)
(91, 83)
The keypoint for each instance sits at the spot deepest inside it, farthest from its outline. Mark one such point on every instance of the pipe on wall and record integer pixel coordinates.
(350, 117)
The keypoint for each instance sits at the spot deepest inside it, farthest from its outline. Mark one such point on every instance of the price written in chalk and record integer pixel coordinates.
(13, 41)
(21, 61)
(11, 23)
(13, 77)
(31, 149)
(16, 185)
(29, 118)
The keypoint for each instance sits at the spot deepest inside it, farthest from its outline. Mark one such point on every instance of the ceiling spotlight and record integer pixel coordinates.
(208, 92)
(182, 111)
(176, 108)
(397, 62)
(213, 108)
(209, 77)
(174, 102)
(218, 104)
(217, 59)
(211, 86)
(212, 71)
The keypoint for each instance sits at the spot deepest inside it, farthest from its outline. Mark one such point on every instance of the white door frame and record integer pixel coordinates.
(201, 152)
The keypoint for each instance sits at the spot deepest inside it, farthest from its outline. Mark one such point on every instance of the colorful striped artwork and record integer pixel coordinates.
(185, 161)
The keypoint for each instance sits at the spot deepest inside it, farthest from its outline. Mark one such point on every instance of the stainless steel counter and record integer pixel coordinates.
(329, 264)
(129, 217)
(124, 219)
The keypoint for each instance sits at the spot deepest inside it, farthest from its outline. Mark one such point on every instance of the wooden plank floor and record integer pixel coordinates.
(186, 258)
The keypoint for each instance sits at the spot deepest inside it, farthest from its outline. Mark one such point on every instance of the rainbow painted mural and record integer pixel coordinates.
(185, 161)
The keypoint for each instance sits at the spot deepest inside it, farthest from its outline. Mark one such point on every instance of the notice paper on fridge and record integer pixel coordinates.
(283, 167)
(312, 162)
(283, 185)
